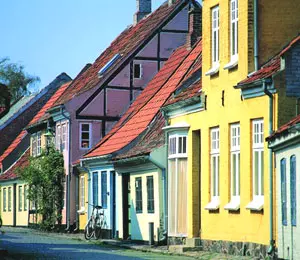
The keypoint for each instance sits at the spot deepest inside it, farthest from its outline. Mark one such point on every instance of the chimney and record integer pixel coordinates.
(195, 26)
(171, 2)
(143, 8)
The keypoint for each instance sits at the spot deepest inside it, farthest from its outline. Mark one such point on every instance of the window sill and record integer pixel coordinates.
(214, 204)
(257, 204)
(214, 70)
(234, 204)
(231, 65)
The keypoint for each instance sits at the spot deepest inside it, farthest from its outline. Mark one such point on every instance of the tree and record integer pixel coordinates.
(45, 176)
(15, 78)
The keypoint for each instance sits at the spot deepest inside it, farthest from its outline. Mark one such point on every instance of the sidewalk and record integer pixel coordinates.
(130, 245)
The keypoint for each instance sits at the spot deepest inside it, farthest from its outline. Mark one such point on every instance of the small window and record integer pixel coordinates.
(85, 135)
(234, 28)
(20, 198)
(64, 137)
(138, 195)
(293, 190)
(104, 189)
(25, 197)
(283, 192)
(82, 192)
(137, 71)
(58, 137)
(150, 194)
(9, 198)
(95, 188)
(4, 200)
(177, 145)
(215, 36)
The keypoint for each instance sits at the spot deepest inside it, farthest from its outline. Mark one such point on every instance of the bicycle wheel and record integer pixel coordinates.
(88, 231)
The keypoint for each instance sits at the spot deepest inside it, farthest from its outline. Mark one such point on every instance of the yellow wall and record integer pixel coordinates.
(84, 215)
(244, 225)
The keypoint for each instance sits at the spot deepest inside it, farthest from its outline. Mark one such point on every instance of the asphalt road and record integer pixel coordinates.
(34, 245)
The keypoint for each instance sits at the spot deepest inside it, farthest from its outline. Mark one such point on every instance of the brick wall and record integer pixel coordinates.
(292, 63)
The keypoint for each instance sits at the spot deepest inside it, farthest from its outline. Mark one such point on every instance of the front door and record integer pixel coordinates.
(126, 205)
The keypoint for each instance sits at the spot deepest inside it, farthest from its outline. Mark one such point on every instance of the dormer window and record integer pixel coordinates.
(137, 71)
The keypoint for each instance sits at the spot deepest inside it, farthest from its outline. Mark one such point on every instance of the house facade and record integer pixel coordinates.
(243, 99)
(103, 91)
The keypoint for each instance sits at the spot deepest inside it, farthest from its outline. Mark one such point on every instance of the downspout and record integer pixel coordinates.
(255, 18)
(69, 173)
(164, 179)
(269, 94)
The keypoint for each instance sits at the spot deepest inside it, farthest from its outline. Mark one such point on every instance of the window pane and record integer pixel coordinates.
(150, 194)
(95, 188)
(234, 181)
(184, 144)
(262, 173)
(293, 189)
(104, 189)
(85, 136)
(138, 195)
(85, 127)
(180, 145)
(283, 192)
(9, 199)
(20, 198)
(4, 199)
(256, 177)
(172, 195)
(25, 197)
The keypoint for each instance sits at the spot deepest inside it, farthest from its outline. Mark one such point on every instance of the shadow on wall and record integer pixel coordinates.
(134, 229)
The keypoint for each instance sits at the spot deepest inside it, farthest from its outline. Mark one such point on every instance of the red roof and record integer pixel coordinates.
(37, 117)
(125, 44)
(271, 67)
(147, 105)
(284, 128)
(11, 173)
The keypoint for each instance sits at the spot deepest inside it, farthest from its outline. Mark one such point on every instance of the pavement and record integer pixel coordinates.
(113, 243)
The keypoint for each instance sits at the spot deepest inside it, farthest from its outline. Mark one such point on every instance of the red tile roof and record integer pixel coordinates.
(271, 67)
(148, 104)
(37, 117)
(284, 128)
(125, 44)
(11, 173)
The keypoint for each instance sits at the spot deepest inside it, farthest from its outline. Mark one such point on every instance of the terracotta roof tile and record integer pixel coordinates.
(148, 104)
(125, 44)
(11, 173)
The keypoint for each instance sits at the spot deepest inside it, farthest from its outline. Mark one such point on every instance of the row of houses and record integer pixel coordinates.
(188, 120)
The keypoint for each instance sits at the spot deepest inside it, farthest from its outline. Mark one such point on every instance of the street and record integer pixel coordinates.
(28, 244)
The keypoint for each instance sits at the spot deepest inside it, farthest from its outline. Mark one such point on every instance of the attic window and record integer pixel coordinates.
(109, 64)
(137, 71)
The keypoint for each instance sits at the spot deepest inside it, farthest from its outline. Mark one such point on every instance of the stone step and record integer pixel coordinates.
(180, 249)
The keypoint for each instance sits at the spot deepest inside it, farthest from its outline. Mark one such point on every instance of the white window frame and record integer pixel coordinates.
(175, 155)
(215, 41)
(235, 150)
(20, 198)
(38, 143)
(4, 198)
(64, 136)
(9, 200)
(58, 137)
(34, 145)
(80, 135)
(82, 195)
(141, 70)
(214, 204)
(257, 146)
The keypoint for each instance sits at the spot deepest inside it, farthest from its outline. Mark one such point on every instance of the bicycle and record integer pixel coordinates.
(95, 223)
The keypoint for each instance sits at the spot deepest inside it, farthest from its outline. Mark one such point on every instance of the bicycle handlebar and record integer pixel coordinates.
(95, 206)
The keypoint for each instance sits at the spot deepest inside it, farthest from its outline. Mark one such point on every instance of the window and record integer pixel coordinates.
(9, 199)
(64, 136)
(215, 36)
(34, 146)
(82, 192)
(283, 192)
(293, 190)
(137, 71)
(95, 188)
(234, 28)
(214, 169)
(138, 195)
(234, 167)
(150, 194)
(85, 135)
(257, 165)
(4, 200)
(20, 198)
(25, 197)
(177, 183)
(104, 189)
(58, 137)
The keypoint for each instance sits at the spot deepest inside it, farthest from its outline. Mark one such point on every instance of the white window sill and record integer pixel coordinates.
(214, 204)
(81, 211)
(214, 70)
(234, 204)
(256, 204)
(232, 64)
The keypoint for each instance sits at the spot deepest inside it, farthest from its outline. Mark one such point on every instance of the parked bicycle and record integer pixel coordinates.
(95, 223)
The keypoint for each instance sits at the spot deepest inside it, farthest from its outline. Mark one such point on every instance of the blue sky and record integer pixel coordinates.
(53, 36)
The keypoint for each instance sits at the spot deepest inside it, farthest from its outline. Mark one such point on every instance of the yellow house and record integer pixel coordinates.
(230, 169)
(83, 181)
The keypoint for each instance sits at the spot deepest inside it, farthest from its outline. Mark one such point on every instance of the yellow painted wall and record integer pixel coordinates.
(84, 215)
(244, 225)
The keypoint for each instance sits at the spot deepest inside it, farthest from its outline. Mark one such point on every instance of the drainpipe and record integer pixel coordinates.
(255, 10)
(269, 94)
(69, 173)
(164, 178)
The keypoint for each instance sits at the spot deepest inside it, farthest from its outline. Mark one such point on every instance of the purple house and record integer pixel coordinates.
(103, 91)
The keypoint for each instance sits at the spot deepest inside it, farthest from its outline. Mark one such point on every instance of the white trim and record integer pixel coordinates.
(178, 126)
(234, 19)
(215, 29)
(256, 204)
(234, 204)
(214, 204)
(214, 70)
(232, 64)
(90, 135)
(141, 70)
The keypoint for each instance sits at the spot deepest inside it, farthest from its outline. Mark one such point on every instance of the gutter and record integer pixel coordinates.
(69, 173)
(255, 18)
(271, 120)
